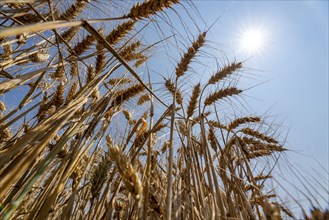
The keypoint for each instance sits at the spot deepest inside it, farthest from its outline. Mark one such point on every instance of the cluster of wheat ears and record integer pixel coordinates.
(87, 134)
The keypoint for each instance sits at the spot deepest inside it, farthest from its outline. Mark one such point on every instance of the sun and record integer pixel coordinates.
(252, 40)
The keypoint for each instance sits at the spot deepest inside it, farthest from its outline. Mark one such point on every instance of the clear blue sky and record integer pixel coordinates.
(294, 60)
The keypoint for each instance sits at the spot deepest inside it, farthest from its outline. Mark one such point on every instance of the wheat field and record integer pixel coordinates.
(97, 129)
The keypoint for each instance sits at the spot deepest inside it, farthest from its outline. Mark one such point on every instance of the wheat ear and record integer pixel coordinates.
(147, 8)
(239, 121)
(171, 88)
(144, 98)
(72, 92)
(68, 34)
(224, 72)
(216, 124)
(2, 107)
(99, 176)
(127, 172)
(73, 11)
(58, 99)
(259, 135)
(82, 46)
(193, 102)
(120, 32)
(115, 81)
(126, 94)
(221, 94)
(188, 56)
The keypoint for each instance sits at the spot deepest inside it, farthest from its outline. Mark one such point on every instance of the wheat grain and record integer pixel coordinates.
(7, 51)
(286, 210)
(196, 120)
(144, 98)
(164, 147)
(142, 128)
(2, 107)
(95, 95)
(271, 211)
(40, 57)
(270, 147)
(21, 39)
(5, 135)
(158, 127)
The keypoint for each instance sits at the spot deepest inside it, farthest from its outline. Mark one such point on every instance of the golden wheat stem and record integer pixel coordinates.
(168, 213)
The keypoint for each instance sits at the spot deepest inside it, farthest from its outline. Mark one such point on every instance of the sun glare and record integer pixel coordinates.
(252, 41)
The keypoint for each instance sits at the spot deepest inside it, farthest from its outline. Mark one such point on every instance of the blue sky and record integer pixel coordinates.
(294, 64)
